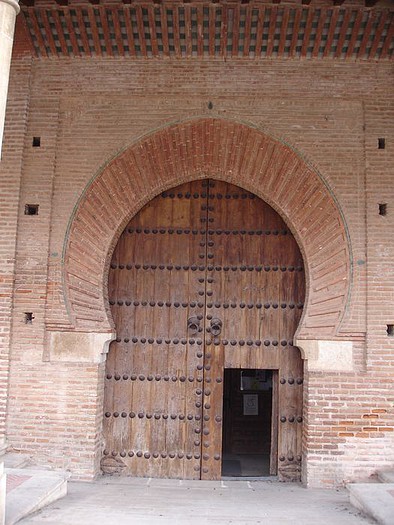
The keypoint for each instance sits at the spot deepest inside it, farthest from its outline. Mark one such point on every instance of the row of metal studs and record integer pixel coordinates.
(224, 342)
(188, 231)
(203, 195)
(194, 304)
(155, 455)
(210, 268)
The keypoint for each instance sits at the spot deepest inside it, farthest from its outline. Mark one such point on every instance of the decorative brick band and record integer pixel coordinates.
(220, 149)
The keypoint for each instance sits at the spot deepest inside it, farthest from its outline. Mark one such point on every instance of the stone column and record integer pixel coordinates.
(8, 11)
(2, 493)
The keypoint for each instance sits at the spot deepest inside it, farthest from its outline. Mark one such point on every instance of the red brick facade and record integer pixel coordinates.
(302, 134)
(221, 149)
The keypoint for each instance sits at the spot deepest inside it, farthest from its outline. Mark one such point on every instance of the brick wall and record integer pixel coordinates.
(10, 180)
(85, 111)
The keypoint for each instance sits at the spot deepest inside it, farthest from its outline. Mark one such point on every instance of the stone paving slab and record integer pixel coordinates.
(123, 501)
(375, 499)
(14, 480)
(29, 490)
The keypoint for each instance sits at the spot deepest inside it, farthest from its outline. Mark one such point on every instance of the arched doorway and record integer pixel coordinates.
(205, 278)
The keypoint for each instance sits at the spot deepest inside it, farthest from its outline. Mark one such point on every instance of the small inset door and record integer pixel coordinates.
(249, 446)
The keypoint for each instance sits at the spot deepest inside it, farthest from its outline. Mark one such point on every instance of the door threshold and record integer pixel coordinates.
(249, 478)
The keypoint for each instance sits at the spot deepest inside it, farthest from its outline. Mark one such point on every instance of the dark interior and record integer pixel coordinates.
(247, 413)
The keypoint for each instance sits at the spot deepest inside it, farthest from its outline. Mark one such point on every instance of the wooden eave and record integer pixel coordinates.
(334, 29)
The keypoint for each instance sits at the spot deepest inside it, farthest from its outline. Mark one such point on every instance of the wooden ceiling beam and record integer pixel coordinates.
(319, 32)
(389, 38)
(40, 40)
(82, 32)
(294, 39)
(94, 31)
(259, 34)
(223, 32)
(271, 31)
(200, 31)
(104, 25)
(283, 32)
(342, 34)
(367, 32)
(248, 26)
(235, 39)
(331, 32)
(48, 31)
(188, 30)
(308, 29)
(329, 3)
(59, 30)
(164, 31)
(71, 32)
(212, 30)
(203, 29)
(118, 31)
(378, 34)
(175, 27)
(129, 32)
(353, 38)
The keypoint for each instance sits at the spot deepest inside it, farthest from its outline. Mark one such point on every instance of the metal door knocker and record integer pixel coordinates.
(193, 325)
(216, 326)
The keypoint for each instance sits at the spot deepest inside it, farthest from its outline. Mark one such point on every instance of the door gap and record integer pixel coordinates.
(204, 214)
(247, 423)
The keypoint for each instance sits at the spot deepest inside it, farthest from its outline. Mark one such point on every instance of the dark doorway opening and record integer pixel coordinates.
(247, 423)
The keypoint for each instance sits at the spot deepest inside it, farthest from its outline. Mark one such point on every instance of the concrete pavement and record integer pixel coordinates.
(123, 501)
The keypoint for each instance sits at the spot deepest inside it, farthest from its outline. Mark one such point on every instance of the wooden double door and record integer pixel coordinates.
(206, 276)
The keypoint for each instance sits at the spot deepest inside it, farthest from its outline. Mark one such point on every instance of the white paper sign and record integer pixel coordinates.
(251, 405)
